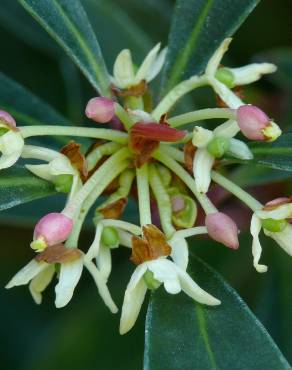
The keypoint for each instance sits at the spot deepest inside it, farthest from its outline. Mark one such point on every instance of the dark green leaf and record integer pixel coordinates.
(18, 185)
(197, 29)
(67, 22)
(181, 334)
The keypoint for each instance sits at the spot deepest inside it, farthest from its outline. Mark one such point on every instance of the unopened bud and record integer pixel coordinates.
(184, 211)
(110, 237)
(222, 229)
(54, 228)
(100, 109)
(218, 146)
(150, 280)
(7, 119)
(256, 125)
(275, 226)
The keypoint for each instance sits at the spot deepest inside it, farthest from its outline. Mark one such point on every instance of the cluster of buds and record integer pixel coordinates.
(169, 171)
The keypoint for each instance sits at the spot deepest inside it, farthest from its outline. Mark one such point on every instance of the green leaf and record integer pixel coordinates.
(18, 185)
(67, 22)
(181, 334)
(198, 27)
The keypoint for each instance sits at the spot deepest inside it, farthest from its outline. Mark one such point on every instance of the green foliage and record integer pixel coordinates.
(67, 22)
(198, 27)
(18, 185)
(181, 334)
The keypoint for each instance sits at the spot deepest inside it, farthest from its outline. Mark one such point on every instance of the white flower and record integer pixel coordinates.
(58, 166)
(124, 75)
(40, 273)
(174, 279)
(250, 73)
(282, 237)
(11, 145)
(204, 158)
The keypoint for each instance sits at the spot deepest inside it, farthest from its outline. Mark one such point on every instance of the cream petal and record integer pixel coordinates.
(94, 248)
(125, 238)
(157, 65)
(123, 70)
(229, 98)
(40, 170)
(70, 274)
(193, 290)
(104, 261)
(61, 166)
(39, 283)
(215, 60)
(280, 213)
(283, 238)
(145, 67)
(101, 285)
(255, 228)
(251, 72)
(179, 252)
(7, 161)
(239, 149)
(11, 142)
(133, 299)
(28, 272)
(202, 166)
(164, 271)
(201, 136)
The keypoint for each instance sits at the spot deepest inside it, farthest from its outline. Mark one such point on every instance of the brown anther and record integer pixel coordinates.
(151, 246)
(115, 209)
(137, 90)
(73, 153)
(189, 153)
(58, 254)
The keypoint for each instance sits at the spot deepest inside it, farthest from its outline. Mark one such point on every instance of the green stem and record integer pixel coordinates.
(134, 102)
(123, 116)
(97, 153)
(96, 133)
(246, 198)
(98, 180)
(38, 152)
(176, 93)
(174, 153)
(163, 201)
(143, 195)
(186, 178)
(88, 203)
(191, 232)
(200, 115)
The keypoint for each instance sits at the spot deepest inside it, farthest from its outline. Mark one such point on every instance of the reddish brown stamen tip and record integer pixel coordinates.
(157, 132)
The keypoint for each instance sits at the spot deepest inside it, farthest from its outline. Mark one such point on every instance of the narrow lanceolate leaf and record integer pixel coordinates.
(67, 22)
(181, 334)
(18, 185)
(198, 27)
(26, 108)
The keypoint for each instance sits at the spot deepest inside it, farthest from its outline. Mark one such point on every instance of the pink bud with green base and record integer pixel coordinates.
(100, 109)
(54, 228)
(222, 229)
(256, 125)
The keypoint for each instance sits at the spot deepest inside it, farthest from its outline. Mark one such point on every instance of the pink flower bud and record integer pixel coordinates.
(7, 119)
(54, 228)
(222, 229)
(100, 109)
(252, 121)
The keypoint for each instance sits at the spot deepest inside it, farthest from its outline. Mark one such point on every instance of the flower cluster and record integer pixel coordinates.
(143, 153)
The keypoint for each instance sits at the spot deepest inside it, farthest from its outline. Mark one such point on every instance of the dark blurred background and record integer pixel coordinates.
(84, 335)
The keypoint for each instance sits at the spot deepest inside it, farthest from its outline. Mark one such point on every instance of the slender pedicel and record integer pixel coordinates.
(143, 194)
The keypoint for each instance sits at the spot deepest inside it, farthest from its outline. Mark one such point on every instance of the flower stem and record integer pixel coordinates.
(38, 152)
(186, 178)
(143, 195)
(163, 201)
(176, 93)
(123, 116)
(97, 153)
(191, 232)
(246, 198)
(201, 114)
(96, 133)
(99, 180)
(174, 153)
